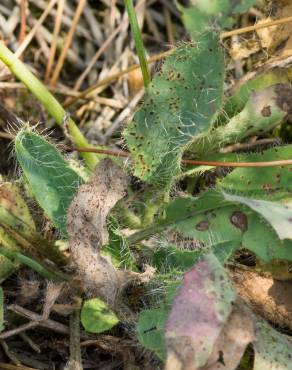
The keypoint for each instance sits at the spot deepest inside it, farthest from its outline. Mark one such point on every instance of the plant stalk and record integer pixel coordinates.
(138, 42)
(51, 104)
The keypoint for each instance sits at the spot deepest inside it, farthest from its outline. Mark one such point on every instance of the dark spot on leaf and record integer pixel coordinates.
(266, 111)
(151, 329)
(202, 225)
(239, 220)
(221, 358)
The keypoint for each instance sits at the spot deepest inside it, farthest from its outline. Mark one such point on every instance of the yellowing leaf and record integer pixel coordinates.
(96, 316)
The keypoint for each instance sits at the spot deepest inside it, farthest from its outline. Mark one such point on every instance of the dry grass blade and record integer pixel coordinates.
(32, 33)
(101, 50)
(255, 27)
(114, 77)
(68, 41)
(22, 31)
(160, 56)
(53, 49)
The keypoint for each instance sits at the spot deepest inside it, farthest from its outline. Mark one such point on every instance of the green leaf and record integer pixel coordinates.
(236, 102)
(236, 226)
(151, 322)
(169, 258)
(181, 102)
(278, 214)
(272, 349)
(52, 180)
(202, 14)
(270, 183)
(221, 226)
(118, 248)
(15, 221)
(150, 330)
(97, 317)
(264, 110)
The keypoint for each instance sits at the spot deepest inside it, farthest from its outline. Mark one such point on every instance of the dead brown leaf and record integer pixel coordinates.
(269, 298)
(87, 232)
(278, 39)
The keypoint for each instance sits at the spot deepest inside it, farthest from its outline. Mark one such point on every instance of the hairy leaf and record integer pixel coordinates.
(52, 180)
(181, 102)
(264, 110)
(150, 330)
(235, 224)
(270, 183)
(236, 102)
(204, 13)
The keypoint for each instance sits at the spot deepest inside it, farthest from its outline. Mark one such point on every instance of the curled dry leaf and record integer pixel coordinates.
(87, 232)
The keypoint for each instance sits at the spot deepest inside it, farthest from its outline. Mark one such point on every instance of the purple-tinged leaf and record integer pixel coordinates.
(198, 314)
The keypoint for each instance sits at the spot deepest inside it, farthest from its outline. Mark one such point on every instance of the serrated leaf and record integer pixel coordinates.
(52, 180)
(97, 317)
(199, 312)
(181, 102)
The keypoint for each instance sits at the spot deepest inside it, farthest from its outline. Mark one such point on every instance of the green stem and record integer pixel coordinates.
(15, 256)
(138, 42)
(51, 104)
(75, 362)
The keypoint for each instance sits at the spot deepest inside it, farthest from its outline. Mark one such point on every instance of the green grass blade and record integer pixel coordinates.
(138, 42)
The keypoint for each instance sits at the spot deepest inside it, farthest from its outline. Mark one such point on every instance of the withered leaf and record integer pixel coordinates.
(87, 231)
